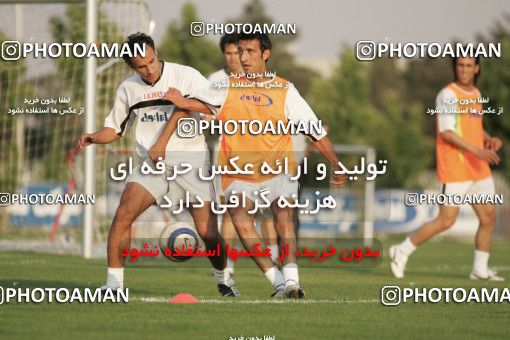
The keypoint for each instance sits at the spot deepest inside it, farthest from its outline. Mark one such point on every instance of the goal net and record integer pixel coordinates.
(42, 113)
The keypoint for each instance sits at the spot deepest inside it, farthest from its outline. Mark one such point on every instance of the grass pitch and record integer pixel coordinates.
(340, 303)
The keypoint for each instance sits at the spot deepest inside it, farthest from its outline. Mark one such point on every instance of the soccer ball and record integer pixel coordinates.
(174, 236)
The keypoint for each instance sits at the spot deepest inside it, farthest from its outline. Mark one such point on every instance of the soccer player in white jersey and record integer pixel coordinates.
(228, 45)
(464, 151)
(143, 100)
(281, 105)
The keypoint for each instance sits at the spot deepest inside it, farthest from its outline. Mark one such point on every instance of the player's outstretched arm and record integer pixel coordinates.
(325, 147)
(159, 147)
(176, 97)
(488, 155)
(104, 136)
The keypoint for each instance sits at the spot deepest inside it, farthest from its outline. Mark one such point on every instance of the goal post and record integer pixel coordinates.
(90, 126)
(369, 193)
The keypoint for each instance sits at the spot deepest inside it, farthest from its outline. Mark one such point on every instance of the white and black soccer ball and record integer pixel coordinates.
(174, 236)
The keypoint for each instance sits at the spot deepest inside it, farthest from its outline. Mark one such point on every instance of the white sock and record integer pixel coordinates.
(407, 247)
(290, 273)
(221, 276)
(230, 262)
(115, 278)
(274, 252)
(481, 261)
(275, 277)
(230, 265)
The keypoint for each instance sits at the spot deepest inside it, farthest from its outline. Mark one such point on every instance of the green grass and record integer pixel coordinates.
(352, 309)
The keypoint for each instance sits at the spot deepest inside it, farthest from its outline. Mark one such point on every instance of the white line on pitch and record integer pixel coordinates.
(234, 301)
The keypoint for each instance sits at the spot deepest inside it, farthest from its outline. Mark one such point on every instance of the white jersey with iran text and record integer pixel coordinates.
(141, 105)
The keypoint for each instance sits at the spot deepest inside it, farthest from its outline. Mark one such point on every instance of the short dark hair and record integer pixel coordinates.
(228, 39)
(454, 65)
(265, 42)
(133, 39)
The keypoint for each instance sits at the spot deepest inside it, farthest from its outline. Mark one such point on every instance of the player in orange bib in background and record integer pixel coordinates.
(464, 151)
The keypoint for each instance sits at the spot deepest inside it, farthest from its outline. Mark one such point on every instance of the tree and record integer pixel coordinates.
(179, 46)
(343, 100)
(423, 79)
(68, 80)
(282, 61)
(494, 83)
(71, 28)
(361, 109)
(13, 90)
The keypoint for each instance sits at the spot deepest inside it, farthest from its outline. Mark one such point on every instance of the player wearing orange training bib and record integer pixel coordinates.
(464, 151)
(260, 99)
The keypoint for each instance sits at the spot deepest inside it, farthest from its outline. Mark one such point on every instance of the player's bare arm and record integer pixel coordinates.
(488, 155)
(104, 136)
(176, 97)
(159, 147)
(325, 147)
(491, 142)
